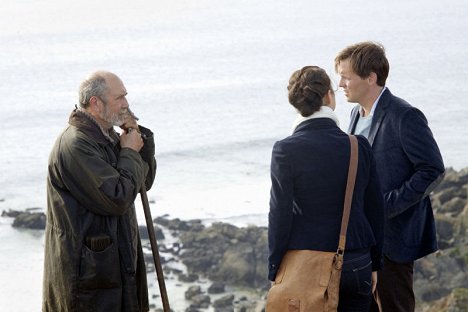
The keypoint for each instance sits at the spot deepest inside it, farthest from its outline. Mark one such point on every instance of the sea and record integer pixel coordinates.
(209, 78)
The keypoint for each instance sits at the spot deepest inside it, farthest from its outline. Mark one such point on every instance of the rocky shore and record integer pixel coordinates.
(220, 267)
(232, 259)
(441, 279)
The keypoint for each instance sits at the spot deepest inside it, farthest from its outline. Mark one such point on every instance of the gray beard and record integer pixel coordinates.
(113, 119)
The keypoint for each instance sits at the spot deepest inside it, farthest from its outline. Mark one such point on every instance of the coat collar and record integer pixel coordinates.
(87, 124)
(316, 123)
(377, 119)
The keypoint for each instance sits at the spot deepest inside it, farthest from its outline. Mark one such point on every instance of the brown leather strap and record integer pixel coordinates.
(353, 162)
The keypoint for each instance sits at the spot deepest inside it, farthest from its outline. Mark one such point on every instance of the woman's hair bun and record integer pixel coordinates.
(306, 89)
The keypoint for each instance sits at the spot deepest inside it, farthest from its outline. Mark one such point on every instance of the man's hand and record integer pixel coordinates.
(129, 121)
(374, 281)
(131, 139)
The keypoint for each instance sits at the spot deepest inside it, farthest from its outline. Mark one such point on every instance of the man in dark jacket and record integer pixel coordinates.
(93, 255)
(409, 165)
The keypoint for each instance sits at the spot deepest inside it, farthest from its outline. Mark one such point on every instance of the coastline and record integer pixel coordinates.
(196, 254)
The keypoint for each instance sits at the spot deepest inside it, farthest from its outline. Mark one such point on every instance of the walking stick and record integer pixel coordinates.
(154, 249)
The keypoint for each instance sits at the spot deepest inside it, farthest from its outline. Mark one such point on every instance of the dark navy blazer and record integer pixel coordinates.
(410, 167)
(309, 171)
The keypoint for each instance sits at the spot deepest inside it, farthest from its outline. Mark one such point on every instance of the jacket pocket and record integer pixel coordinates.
(99, 268)
(363, 276)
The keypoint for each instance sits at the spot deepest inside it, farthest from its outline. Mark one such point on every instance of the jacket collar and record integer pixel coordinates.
(316, 123)
(377, 119)
(379, 115)
(87, 124)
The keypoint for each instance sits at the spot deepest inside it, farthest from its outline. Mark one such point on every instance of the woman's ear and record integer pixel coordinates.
(329, 99)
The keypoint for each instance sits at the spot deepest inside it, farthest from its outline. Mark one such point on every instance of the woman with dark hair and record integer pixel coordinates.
(309, 173)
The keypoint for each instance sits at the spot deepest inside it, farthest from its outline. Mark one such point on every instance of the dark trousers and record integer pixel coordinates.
(395, 287)
(355, 283)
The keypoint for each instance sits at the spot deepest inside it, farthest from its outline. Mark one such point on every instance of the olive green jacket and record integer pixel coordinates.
(93, 255)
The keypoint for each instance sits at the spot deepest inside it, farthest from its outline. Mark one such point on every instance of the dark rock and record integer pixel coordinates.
(217, 288)
(236, 264)
(149, 257)
(457, 301)
(454, 184)
(202, 250)
(227, 253)
(163, 221)
(454, 206)
(445, 230)
(11, 213)
(144, 232)
(196, 225)
(201, 301)
(30, 220)
(178, 225)
(427, 269)
(192, 291)
(453, 179)
(437, 274)
(226, 230)
(432, 292)
(188, 278)
(224, 302)
(444, 196)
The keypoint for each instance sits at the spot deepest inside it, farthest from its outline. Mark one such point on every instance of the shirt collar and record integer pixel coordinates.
(374, 106)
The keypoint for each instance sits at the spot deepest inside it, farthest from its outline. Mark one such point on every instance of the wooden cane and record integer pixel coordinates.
(154, 249)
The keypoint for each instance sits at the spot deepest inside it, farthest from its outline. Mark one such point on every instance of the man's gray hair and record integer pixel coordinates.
(94, 85)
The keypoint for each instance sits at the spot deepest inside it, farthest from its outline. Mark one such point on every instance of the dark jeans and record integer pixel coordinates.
(356, 281)
(395, 287)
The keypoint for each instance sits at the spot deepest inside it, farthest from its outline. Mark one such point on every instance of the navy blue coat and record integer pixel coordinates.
(410, 166)
(309, 171)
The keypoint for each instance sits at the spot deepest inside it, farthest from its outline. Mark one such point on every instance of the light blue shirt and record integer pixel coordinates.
(363, 124)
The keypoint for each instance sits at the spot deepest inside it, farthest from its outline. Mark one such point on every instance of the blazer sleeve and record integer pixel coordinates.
(281, 208)
(421, 149)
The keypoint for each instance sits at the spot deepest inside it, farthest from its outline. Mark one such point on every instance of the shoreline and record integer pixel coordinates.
(197, 253)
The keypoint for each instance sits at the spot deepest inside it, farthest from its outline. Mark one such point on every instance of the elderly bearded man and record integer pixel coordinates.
(93, 255)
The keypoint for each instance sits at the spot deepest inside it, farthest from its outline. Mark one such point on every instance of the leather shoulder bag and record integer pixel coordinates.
(309, 280)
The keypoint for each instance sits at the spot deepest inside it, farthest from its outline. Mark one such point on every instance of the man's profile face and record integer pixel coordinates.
(115, 108)
(355, 88)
